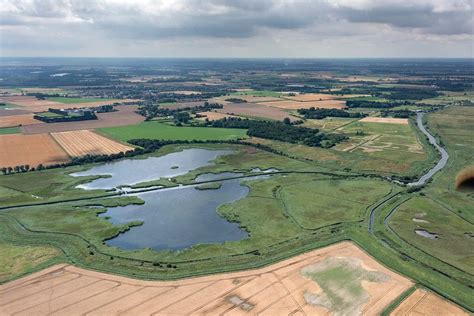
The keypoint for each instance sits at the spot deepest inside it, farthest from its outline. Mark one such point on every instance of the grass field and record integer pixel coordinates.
(454, 233)
(17, 260)
(9, 130)
(156, 130)
(329, 201)
(66, 100)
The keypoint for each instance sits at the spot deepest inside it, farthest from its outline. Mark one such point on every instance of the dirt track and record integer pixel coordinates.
(124, 116)
(422, 302)
(278, 289)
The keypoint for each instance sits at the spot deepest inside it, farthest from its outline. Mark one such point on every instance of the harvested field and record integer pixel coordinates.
(185, 92)
(389, 120)
(255, 110)
(32, 104)
(293, 105)
(81, 143)
(124, 116)
(281, 288)
(212, 116)
(30, 150)
(10, 112)
(422, 302)
(17, 120)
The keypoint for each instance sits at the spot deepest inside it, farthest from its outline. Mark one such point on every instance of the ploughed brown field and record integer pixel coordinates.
(389, 120)
(30, 150)
(278, 289)
(422, 302)
(293, 105)
(16, 120)
(255, 110)
(124, 116)
(81, 143)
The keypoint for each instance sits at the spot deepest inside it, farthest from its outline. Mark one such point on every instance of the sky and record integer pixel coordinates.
(237, 28)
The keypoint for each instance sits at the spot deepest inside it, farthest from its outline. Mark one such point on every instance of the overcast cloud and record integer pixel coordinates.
(237, 28)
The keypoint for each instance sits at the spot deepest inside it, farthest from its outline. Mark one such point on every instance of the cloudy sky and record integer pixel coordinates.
(237, 28)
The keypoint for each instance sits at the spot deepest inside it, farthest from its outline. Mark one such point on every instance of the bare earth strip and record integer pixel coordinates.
(293, 105)
(30, 150)
(81, 143)
(279, 289)
(422, 302)
(255, 110)
(124, 116)
(389, 120)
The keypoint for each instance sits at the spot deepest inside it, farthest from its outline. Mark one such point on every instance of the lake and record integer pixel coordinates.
(133, 171)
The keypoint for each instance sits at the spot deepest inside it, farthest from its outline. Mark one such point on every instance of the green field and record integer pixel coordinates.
(17, 260)
(67, 100)
(259, 93)
(156, 130)
(9, 130)
(454, 232)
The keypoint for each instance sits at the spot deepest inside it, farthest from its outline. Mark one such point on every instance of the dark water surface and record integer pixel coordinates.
(178, 218)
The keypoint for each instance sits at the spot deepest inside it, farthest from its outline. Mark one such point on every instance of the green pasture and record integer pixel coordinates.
(10, 130)
(67, 100)
(156, 130)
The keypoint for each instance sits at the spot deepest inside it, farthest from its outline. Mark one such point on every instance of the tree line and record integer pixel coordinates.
(318, 114)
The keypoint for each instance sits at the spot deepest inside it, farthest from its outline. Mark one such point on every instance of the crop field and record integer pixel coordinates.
(296, 285)
(30, 150)
(124, 116)
(156, 130)
(18, 120)
(388, 120)
(423, 302)
(293, 105)
(252, 110)
(81, 143)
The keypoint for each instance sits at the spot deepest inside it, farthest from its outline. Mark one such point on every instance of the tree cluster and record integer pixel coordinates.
(280, 131)
(313, 113)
